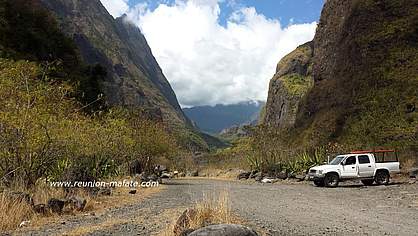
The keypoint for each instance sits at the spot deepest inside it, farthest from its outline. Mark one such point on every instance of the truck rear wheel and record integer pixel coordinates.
(368, 182)
(331, 180)
(382, 178)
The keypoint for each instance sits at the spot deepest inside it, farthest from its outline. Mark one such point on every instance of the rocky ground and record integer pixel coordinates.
(282, 208)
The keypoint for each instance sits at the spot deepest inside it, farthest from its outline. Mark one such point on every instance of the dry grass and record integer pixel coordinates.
(13, 212)
(407, 165)
(214, 209)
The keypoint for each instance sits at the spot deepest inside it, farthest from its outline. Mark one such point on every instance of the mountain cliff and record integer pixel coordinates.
(364, 68)
(289, 86)
(214, 119)
(133, 78)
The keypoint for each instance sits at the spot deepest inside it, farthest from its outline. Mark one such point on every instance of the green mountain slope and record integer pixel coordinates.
(365, 71)
(134, 78)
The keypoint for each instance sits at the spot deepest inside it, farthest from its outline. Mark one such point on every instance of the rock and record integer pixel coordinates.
(56, 205)
(253, 174)
(77, 203)
(244, 175)
(105, 191)
(153, 177)
(132, 191)
(182, 174)
(135, 168)
(269, 180)
(282, 175)
(194, 173)
(186, 232)
(40, 209)
(258, 177)
(183, 222)
(413, 173)
(285, 95)
(161, 168)
(24, 223)
(300, 177)
(147, 88)
(143, 177)
(165, 175)
(224, 230)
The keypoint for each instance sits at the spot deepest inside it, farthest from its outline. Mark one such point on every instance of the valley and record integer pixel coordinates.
(89, 97)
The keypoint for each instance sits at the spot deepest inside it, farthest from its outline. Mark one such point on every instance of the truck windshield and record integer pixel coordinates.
(337, 160)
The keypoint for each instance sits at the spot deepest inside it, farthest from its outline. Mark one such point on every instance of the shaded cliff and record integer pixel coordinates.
(287, 89)
(365, 71)
(134, 77)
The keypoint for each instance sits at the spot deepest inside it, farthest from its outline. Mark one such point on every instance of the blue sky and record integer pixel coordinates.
(286, 11)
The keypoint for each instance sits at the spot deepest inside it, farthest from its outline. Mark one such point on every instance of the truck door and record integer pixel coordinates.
(349, 168)
(365, 167)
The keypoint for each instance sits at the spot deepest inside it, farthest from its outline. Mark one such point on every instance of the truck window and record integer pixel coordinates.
(351, 160)
(363, 159)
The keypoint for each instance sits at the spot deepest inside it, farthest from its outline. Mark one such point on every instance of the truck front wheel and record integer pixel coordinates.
(319, 182)
(382, 178)
(331, 180)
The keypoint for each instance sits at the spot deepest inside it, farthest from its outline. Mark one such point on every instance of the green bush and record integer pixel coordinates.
(44, 134)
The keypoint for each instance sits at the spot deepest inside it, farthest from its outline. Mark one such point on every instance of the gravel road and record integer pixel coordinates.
(279, 209)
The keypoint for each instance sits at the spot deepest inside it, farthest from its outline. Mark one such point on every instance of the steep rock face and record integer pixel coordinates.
(365, 68)
(134, 77)
(287, 89)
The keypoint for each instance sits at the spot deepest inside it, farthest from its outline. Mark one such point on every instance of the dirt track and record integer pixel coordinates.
(279, 209)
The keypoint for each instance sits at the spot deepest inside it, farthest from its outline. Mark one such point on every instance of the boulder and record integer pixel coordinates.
(183, 222)
(194, 173)
(269, 180)
(56, 205)
(77, 203)
(165, 175)
(135, 168)
(224, 230)
(300, 177)
(40, 209)
(253, 174)
(413, 173)
(105, 191)
(258, 177)
(244, 175)
(282, 175)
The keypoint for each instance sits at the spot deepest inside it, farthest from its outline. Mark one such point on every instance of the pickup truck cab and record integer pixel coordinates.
(362, 165)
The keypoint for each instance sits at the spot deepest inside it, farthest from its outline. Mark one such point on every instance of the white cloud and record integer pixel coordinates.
(207, 63)
(116, 7)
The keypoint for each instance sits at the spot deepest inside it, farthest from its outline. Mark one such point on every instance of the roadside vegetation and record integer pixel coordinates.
(213, 209)
(54, 122)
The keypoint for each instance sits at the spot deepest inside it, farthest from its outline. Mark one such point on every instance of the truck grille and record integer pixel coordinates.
(312, 171)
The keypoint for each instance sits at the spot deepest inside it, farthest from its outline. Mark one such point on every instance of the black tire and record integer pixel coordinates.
(368, 182)
(331, 180)
(319, 183)
(382, 178)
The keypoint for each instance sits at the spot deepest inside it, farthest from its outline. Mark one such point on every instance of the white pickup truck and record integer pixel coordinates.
(360, 165)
